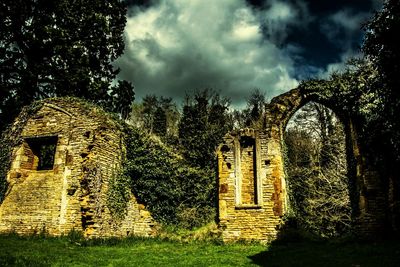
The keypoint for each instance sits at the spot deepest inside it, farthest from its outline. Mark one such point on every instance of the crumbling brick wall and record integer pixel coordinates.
(72, 194)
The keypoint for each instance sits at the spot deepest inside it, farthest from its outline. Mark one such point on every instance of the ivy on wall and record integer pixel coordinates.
(11, 138)
(174, 192)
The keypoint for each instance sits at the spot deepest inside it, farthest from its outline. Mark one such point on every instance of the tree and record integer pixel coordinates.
(160, 122)
(168, 116)
(381, 45)
(255, 108)
(205, 120)
(60, 48)
(150, 103)
(252, 115)
(122, 96)
(158, 115)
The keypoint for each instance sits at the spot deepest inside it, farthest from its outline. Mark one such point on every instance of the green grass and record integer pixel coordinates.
(40, 251)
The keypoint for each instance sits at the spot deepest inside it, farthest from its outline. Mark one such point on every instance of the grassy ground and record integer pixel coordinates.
(39, 251)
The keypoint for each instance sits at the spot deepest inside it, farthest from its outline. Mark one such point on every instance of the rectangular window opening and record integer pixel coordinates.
(40, 152)
(247, 168)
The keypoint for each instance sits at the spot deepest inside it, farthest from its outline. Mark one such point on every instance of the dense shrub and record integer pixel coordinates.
(174, 192)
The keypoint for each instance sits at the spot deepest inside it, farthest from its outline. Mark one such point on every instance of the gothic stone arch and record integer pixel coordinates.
(252, 188)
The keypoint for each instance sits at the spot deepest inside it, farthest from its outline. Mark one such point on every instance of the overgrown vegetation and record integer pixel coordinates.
(204, 122)
(170, 165)
(118, 194)
(173, 191)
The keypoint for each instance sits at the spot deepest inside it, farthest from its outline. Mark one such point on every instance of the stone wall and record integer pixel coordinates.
(252, 208)
(72, 194)
(249, 210)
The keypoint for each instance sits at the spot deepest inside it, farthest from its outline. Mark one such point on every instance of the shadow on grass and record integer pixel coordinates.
(308, 253)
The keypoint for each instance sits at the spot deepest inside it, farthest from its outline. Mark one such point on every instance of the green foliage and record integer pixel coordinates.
(158, 115)
(205, 120)
(121, 98)
(160, 122)
(352, 94)
(255, 109)
(170, 188)
(173, 191)
(253, 115)
(118, 195)
(5, 153)
(61, 48)
(381, 44)
(365, 95)
(349, 93)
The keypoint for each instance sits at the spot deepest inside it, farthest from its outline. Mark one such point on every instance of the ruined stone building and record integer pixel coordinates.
(66, 154)
(251, 178)
(62, 164)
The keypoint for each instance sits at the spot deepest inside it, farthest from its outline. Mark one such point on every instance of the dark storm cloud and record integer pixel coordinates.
(177, 46)
(234, 46)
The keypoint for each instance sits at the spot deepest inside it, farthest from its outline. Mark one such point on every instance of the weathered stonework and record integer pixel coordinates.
(251, 207)
(251, 199)
(72, 192)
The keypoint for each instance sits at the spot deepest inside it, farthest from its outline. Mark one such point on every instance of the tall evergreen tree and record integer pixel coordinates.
(205, 120)
(160, 122)
(255, 108)
(150, 103)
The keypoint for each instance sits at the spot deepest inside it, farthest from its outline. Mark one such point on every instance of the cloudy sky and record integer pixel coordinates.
(234, 46)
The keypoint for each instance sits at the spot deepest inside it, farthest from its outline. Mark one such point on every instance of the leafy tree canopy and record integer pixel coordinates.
(381, 45)
(61, 48)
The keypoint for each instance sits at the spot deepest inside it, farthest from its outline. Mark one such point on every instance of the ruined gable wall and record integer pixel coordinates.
(74, 194)
(34, 199)
(241, 220)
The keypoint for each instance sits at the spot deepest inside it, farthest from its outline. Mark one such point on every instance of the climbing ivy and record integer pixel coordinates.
(174, 192)
(118, 195)
(11, 138)
(350, 92)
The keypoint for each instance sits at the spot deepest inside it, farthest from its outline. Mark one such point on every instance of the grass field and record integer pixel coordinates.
(40, 251)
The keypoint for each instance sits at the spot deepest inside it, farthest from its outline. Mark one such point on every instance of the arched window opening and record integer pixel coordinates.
(316, 171)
